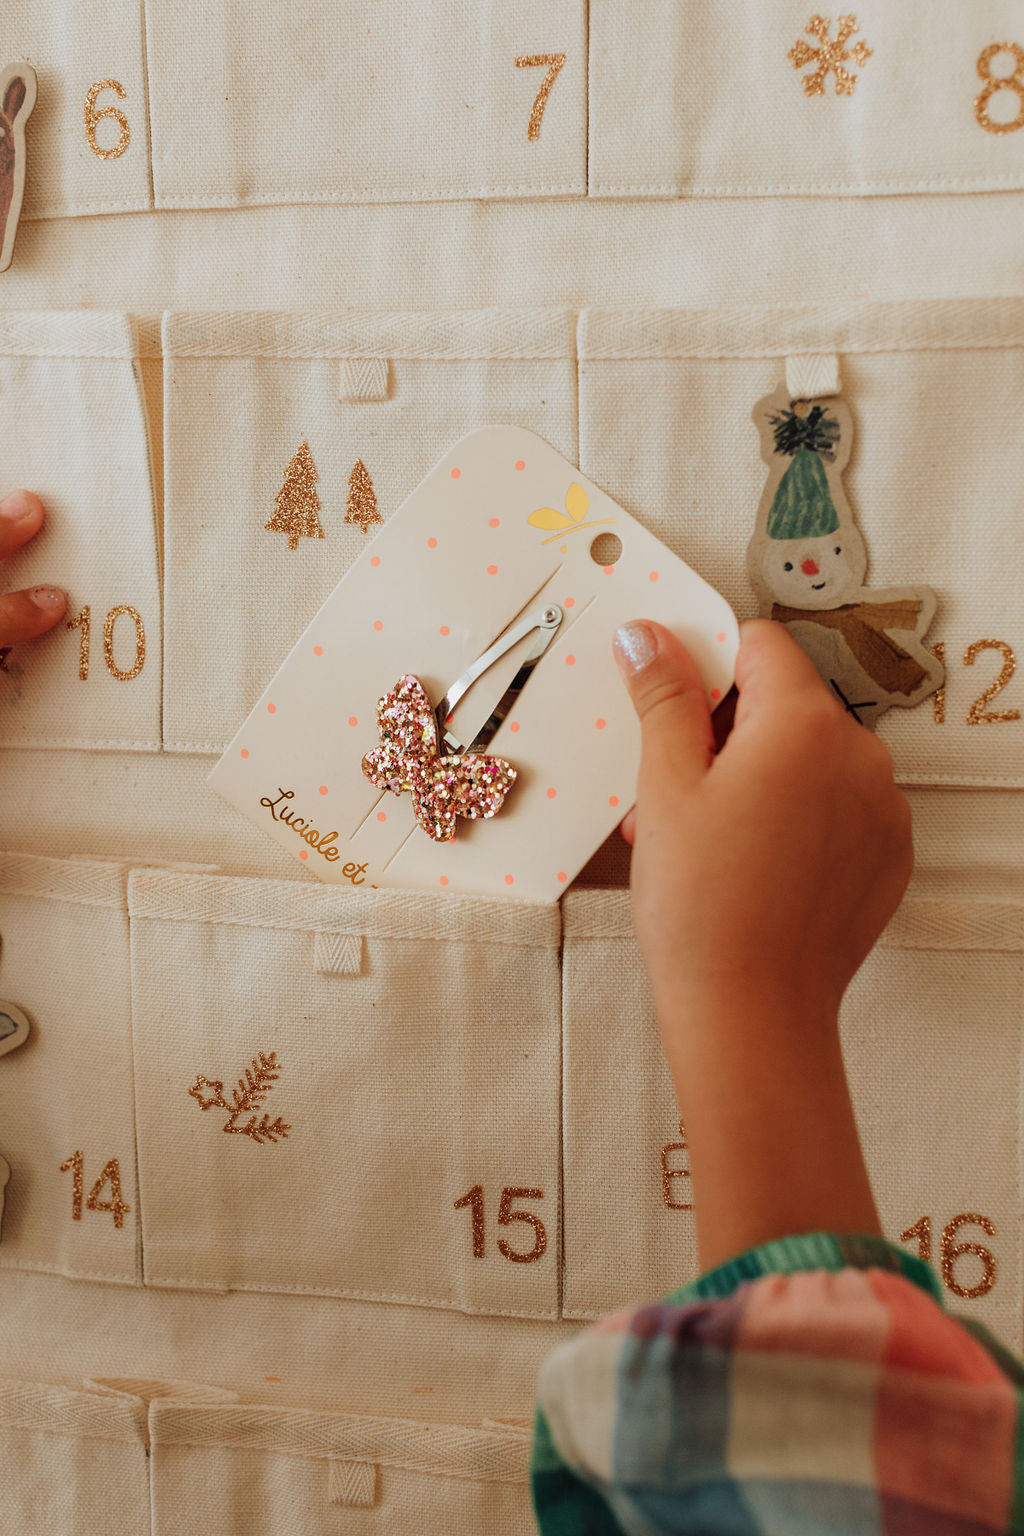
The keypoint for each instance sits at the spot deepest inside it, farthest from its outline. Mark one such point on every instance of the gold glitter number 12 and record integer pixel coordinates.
(474, 1198)
(950, 1250)
(554, 62)
(83, 621)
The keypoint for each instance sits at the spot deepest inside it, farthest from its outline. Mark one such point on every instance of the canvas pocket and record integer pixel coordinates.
(365, 103)
(75, 431)
(348, 1093)
(943, 990)
(68, 1129)
(777, 101)
(318, 425)
(294, 1472)
(665, 404)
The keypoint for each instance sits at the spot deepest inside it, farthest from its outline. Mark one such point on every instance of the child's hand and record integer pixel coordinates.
(761, 879)
(23, 615)
(774, 866)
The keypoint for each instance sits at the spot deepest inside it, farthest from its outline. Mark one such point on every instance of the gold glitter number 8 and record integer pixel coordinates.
(994, 83)
(94, 114)
(950, 1250)
(83, 621)
(554, 62)
(474, 1198)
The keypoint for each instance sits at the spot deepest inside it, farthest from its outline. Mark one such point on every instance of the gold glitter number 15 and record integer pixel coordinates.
(83, 621)
(474, 1198)
(950, 1250)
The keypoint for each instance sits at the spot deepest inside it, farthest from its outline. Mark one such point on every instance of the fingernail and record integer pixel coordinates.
(15, 507)
(47, 597)
(635, 646)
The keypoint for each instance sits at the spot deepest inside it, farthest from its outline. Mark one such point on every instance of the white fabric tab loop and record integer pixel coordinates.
(810, 376)
(363, 378)
(337, 954)
(351, 1482)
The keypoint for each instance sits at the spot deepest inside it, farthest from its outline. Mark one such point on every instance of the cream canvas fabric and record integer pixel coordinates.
(244, 392)
(673, 95)
(75, 430)
(943, 989)
(408, 1043)
(665, 402)
(80, 163)
(366, 102)
(68, 1089)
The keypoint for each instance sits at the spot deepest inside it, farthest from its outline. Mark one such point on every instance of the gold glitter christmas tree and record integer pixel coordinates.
(362, 499)
(297, 505)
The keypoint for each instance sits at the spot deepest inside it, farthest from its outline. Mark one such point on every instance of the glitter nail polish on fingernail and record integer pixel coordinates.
(15, 507)
(635, 646)
(47, 597)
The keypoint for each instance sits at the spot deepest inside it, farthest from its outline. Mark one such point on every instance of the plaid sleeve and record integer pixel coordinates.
(814, 1385)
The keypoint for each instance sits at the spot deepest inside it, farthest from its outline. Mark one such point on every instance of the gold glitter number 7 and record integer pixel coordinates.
(554, 62)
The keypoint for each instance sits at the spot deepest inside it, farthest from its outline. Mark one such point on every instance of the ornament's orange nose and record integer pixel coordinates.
(809, 568)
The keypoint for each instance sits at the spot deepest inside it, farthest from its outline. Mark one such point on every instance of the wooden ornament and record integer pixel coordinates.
(17, 98)
(807, 562)
(5, 1179)
(14, 1028)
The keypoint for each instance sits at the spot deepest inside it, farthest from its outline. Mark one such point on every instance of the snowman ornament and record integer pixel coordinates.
(807, 562)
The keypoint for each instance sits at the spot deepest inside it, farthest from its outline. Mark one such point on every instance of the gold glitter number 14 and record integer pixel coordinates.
(474, 1199)
(950, 1250)
(82, 622)
(110, 1174)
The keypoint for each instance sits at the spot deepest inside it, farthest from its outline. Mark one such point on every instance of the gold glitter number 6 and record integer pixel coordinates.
(109, 1173)
(978, 714)
(474, 1198)
(950, 1250)
(83, 621)
(554, 62)
(994, 83)
(94, 114)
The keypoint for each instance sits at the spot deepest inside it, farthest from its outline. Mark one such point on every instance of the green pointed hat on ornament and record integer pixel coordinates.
(803, 507)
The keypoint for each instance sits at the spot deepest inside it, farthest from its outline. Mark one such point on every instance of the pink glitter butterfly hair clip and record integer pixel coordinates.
(419, 753)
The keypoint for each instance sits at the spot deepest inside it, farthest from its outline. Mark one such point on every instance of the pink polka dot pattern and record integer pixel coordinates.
(375, 559)
(377, 624)
(456, 473)
(445, 629)
(382, 815)
(600, 724)
(653, 576)
(570, 602)
(514, 726)
(608, 569)
(509, 879)
(720, 637)
(520, 463)
(318, 650)
(492, 570)
(431, 543)
(552, 793)
(562, 876)
(443, 880)
(495, 522)
(352, 720)
(271, 709)
(244, 752)
(570, 660)
(716, 693)
(613, 801)
(304, 853)
(323, 789)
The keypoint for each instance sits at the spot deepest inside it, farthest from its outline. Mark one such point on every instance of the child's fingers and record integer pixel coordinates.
(23, 615)
(772, 671)
(21, 517)
(668, 695)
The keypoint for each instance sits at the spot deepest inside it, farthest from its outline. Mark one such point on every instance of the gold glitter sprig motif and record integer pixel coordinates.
(253, 1086)
(362, 498)
(297, 505)
(831, 56)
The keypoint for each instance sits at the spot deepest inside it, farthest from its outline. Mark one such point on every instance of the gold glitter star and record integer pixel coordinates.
(831, 56)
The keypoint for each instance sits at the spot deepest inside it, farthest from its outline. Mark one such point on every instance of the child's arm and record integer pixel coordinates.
(761, 879)
(23, 615)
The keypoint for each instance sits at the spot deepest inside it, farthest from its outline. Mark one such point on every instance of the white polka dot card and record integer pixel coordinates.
(453, 718)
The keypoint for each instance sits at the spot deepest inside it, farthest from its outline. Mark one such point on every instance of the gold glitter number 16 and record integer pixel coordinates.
(474, 1198)
(950, 1250)
(83, 621)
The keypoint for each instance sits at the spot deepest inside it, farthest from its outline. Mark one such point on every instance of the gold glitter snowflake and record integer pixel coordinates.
(830, 56)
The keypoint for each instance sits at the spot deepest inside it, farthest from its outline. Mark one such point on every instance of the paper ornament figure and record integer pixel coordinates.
(362, 498)
(17, 98)
(807, 562)
(14, 1031)
(297, 505)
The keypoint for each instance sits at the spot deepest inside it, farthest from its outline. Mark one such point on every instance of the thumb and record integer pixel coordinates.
(669, 697)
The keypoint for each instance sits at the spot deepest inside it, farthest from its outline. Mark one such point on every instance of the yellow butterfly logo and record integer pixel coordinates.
(576, 504)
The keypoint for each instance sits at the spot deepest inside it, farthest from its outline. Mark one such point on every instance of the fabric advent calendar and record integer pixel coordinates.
(300, 1183)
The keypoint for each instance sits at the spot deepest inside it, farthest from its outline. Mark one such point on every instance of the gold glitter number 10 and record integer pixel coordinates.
(474, 1199)
(950, 1250)
(83, 621)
